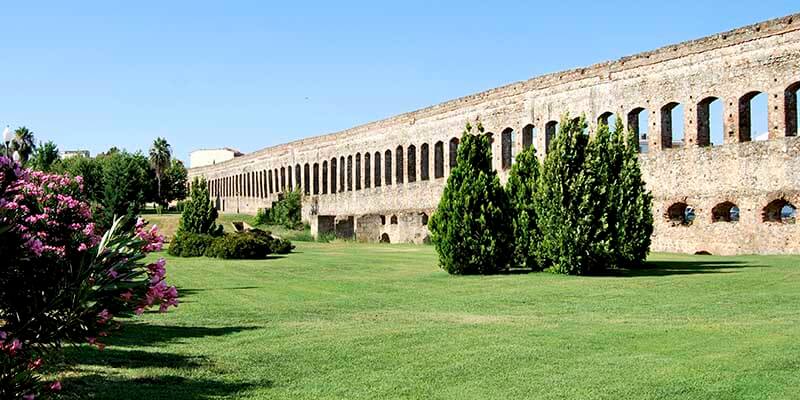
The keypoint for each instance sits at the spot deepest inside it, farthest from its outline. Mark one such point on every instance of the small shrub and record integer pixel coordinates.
(199, 215)
(251, 245)
(189, 244)
(285, 212)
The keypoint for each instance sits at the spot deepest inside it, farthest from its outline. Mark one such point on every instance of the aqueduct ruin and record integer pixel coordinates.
(381, 181)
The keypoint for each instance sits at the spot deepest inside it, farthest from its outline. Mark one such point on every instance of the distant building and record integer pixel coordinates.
(75, 153)
(201, 158)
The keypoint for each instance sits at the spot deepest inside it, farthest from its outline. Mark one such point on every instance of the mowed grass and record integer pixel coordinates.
(356, 321)
(168, 225)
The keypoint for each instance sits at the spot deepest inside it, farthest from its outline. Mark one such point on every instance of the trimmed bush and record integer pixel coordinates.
(250, 245)
(285, 212)
(190, 244)
(472, 226)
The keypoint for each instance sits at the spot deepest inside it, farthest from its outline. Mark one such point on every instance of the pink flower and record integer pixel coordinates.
(29, 396)
(55, 386)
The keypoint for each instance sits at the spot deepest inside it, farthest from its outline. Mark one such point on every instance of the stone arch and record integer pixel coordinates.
(438, 160)
(289, 174)
(424, 219)
(378, 169)
(367, 170)
(791, 108)
(680, 214)
(307, 179)
(607, 118)
(780, 211)
(453, 150)
(387, 168)
(350, 173)
(342, 174)
(411, 162)
(638, 124)
(725, 212)
(709, 122)
(393, 220)
(316, 178)
(528, 136)
(550, 132)
(424, 160)
(358, 171)
(325, 177)
(334, 175)
(507, 138)
(283, 179)
(298, 176)
(398, 165)
(672, 134)
(750, 123)
(385, 238)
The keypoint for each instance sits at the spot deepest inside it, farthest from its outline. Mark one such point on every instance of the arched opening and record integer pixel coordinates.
(607, 118)
(680, 214)
(394, 220)
(343, 172)
(710, 122)
(367, 170)
(398, 165)
(528, 136)
(334, 175)
(424, 161)
(412, 163)
(753, 117)
(791, 108)
(637, 123)
(316, 178)
(307, 179)
(550, 131)
(424, 219)
(358, 171)
(270, 182)
(298, 175)
(324, 177)
(453, 152)
(507, 147)
(385, 238)
(780, 211)
(383, 220)
(378, 169)
(283, 179)
(438, 160)
(725, 212)
(672, 125)
(289, 174)
(387, 170)
(349, 173)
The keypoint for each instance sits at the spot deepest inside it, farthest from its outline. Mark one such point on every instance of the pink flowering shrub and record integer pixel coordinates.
(60, 281)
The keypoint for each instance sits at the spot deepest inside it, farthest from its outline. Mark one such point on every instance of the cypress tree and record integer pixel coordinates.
(567, 207)
(471, 228)
(634, 205)
(199, 214)
(521, 189)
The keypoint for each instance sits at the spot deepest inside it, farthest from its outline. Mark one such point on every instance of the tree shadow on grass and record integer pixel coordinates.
(667, 268)
(121, 358)
(97, 386)
(144, 334)
(184, 293)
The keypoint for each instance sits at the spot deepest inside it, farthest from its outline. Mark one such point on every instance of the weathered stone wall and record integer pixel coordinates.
(731, 67)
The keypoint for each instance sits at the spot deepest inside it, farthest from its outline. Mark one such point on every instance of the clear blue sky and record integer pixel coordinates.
(251, 74)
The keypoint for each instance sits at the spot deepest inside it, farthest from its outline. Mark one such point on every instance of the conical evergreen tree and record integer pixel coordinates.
(471, 228)
(567, 207)
(635, 203)
(521, 189)
(199, 214)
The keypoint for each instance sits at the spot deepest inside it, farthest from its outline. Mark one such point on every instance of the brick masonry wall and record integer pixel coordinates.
(731, 67)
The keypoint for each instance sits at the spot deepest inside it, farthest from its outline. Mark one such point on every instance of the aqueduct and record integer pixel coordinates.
(735, 195)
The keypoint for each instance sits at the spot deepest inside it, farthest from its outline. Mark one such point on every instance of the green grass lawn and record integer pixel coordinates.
(168, 225)
(353, 321)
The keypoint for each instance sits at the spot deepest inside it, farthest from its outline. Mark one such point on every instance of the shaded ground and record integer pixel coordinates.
(373, 322)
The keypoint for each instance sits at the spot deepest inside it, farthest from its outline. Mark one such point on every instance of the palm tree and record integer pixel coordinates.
(160, 157)
(24, 143)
